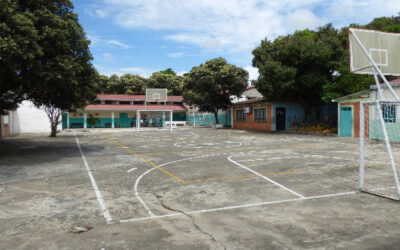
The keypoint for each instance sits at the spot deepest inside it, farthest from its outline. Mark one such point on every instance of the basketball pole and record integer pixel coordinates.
(383, 125)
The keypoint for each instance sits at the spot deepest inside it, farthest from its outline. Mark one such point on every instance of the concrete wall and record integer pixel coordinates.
(30, 119)
(250, 124)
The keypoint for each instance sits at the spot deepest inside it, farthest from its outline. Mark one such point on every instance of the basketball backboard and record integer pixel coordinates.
(383, 48)
(156, 95)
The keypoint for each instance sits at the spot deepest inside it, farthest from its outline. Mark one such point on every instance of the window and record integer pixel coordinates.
(260, 115)
(240, 115)
(124, 102)
(389, 113)
(108, 102)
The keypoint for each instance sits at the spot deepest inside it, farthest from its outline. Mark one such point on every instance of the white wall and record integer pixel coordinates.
(30, 119)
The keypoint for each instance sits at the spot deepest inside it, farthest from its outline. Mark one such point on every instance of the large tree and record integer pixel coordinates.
(296, 67)
(166, 79)
(210, 85)
(58, 72)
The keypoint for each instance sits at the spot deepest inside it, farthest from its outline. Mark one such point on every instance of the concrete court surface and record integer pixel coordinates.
(192, 189)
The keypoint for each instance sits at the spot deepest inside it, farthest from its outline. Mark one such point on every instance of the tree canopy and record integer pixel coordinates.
(210, 85)
(312, 66)
(44, 55)
(136, 85)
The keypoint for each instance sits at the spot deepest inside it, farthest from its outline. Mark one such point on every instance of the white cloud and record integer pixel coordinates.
(101, 13)
(112, 43)
(181, 73)
(176, 54)
(108, 71)
(253, 72)
(237, 25)
(117, 43)
(108, 57)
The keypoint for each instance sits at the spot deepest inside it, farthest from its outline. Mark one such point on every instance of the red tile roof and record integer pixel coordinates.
(111, 97)
(134, 107)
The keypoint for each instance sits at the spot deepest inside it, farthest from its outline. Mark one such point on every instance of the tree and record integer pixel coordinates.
(58, 72)
(210, 85)
(54, 115)
(166, 79)
(296, 67)
(134, 84)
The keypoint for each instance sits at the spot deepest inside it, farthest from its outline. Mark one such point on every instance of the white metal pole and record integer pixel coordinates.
(378, 86)
(68, 120)
(361, 170)
(84, 120)
(170, 121)
(112, 119)
(137, 120)
(375, 66)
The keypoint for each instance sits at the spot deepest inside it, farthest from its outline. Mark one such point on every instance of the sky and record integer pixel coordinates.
(146, 36)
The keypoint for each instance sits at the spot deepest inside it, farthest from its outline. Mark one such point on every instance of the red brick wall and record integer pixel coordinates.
(250, 124)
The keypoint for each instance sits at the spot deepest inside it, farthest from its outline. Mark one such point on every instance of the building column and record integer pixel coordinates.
(112, 119)
(163, 119)
(84, 120)
(137, 120)
(232, 117)
(67, 120)
(170, 121)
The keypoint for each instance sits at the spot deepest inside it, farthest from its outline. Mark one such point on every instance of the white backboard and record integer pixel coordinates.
(156, 95)
(383, 47)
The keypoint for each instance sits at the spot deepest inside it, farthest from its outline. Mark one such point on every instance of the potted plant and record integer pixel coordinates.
(92, 120)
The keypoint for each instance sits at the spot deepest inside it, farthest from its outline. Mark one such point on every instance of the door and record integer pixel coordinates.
(346, 121)
(280, 118)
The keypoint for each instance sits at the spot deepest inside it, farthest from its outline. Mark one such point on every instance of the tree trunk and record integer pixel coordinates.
(216, 116)
(314, 115)
(53, 129)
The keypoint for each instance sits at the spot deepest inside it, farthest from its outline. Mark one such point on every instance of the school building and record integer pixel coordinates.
(124, 111)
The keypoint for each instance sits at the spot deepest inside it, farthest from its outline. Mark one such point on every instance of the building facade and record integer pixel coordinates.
(124, 111)
(349, 111)
(260, 114)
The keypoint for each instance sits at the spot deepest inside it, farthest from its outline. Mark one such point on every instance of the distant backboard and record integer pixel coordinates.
(156, 95)
(383, 47)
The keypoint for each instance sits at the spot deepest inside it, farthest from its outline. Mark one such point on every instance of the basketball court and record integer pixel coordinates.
(192, 188)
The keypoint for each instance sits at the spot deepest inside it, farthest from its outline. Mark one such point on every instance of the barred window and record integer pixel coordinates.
(240, 115)
(260, 115)
(389, 113)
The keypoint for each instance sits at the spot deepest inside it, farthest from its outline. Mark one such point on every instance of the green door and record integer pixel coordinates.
(346, 121)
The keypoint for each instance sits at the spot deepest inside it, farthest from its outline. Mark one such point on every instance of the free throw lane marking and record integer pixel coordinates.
(238, 206)
(265, 178)
(145, 159)
(100, 199)
(130, 170)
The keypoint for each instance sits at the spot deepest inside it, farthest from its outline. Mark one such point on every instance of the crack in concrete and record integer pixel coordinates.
(159, 197)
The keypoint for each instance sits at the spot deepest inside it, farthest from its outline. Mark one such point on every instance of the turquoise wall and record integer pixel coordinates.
(209, 119)
(376, 132)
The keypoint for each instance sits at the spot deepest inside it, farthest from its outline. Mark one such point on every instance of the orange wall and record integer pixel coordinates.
(250, 124)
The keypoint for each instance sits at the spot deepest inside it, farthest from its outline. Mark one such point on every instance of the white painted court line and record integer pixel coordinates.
(130, 170)
(265, 178)
(100, 199)
(137, 193)
(238, 206)
(194, 134)
(148, 171)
